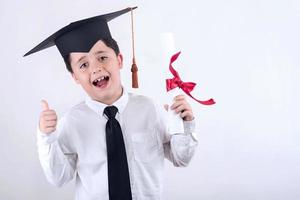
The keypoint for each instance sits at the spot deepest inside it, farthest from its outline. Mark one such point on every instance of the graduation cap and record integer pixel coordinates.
(80, 36)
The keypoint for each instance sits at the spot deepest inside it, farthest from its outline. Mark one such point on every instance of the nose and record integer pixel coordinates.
(97, 69)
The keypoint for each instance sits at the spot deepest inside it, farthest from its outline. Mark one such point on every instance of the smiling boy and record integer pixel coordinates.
(98, 72)
(114, 142)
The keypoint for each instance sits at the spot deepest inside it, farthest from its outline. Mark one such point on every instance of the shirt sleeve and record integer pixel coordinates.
(179, 147)
(57, 162)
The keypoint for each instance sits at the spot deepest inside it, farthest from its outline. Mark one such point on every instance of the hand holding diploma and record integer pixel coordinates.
(183, 108)
(48, 119)
(179, 107)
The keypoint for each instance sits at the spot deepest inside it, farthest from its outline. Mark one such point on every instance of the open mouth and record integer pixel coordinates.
(101, 82)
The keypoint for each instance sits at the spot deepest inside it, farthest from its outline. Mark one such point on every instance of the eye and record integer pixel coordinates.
(103, 58)
(83, 65)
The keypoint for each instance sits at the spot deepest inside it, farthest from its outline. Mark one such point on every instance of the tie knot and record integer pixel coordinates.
(110, 111)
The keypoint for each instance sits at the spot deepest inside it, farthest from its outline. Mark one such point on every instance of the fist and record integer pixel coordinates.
(182, 107)
(48, 119)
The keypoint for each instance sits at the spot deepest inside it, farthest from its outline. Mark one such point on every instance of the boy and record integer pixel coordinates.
(114, 142)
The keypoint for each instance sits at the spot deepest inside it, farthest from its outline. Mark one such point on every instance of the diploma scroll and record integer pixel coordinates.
(175, 122)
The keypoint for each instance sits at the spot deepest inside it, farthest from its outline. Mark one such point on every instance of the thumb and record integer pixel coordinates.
(45, 105)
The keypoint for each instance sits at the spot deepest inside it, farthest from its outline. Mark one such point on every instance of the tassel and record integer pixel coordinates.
(134, 70)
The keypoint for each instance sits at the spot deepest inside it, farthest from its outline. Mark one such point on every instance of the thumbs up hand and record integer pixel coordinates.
(48, 119)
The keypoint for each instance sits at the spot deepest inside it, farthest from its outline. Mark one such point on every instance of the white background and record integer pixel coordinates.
(243, 53)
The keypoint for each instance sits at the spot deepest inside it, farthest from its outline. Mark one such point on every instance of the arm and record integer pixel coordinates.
(58, 165)
(179, 148)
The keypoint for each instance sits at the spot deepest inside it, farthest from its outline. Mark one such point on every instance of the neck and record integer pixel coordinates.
(110, 101)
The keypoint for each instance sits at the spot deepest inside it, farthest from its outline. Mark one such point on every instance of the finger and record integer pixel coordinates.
(50, 118)
(187, 115)
(180, 108)
(179, 97)
(48, 113)
(50, 124)
(49, 130)
(45, 105)
(166, 106)
(178, 103)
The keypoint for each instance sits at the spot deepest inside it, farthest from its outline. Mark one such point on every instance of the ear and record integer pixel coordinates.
(120, 60)
(75, 78)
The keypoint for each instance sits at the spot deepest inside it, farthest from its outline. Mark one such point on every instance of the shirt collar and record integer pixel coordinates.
(99, 107)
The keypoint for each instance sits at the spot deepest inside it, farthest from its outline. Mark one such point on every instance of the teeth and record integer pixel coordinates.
(100, 79)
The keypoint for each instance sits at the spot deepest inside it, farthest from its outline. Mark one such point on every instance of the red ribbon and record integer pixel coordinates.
(187, 87)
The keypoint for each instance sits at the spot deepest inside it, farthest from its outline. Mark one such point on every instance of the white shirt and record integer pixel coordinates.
(78, 148)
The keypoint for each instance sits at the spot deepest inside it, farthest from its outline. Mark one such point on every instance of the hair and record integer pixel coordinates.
(110, 42)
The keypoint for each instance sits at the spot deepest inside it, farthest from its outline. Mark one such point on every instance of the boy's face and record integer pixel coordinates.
(98, 72)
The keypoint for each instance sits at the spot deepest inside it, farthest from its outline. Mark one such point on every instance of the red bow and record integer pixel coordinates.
(187, 87)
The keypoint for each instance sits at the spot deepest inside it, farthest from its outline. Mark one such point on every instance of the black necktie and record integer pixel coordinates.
(118, 174)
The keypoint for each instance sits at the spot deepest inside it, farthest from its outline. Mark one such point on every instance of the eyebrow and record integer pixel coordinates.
(96, 53)
(99, 52)
(80, 59)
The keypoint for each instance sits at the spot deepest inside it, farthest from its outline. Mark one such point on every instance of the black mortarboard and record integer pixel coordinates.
(81, 35)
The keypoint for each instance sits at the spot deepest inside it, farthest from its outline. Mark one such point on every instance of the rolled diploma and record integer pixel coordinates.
(175, 122)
